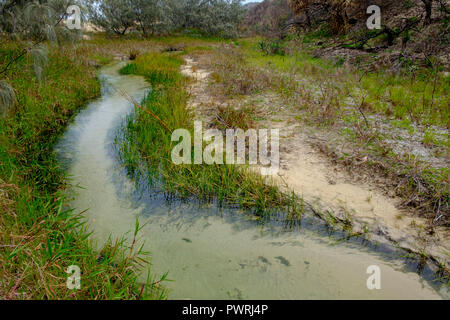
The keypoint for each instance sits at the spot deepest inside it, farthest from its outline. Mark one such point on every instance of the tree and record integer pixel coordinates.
(116, 16)
(31, 19)
(149, 15)
(211, 17)
(219, 17)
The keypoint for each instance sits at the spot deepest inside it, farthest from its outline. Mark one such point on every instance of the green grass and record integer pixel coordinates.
(157, 69)
(40, 237)
(421, 96)
(145, 138)
(419, 100)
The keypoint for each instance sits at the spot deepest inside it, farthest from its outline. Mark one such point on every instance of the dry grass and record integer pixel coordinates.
(233, 76)
(227, 117)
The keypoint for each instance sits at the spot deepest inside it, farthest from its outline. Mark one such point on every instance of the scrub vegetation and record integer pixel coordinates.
(359, 106)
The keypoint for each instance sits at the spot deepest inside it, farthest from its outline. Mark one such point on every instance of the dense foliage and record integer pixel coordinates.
(209, 17)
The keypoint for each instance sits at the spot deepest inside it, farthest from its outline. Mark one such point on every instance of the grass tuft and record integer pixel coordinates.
(145, 139)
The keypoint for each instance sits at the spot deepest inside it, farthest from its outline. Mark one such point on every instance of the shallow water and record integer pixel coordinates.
(214, 253)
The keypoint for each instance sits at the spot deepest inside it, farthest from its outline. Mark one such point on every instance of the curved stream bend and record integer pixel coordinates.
(212, 253)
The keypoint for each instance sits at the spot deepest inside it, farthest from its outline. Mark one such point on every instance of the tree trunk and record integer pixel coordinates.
(308, 19)
(390, 35)
(144, 30)
(428, 10)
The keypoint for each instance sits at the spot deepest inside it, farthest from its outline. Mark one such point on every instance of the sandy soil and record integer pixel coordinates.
(326, 186)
